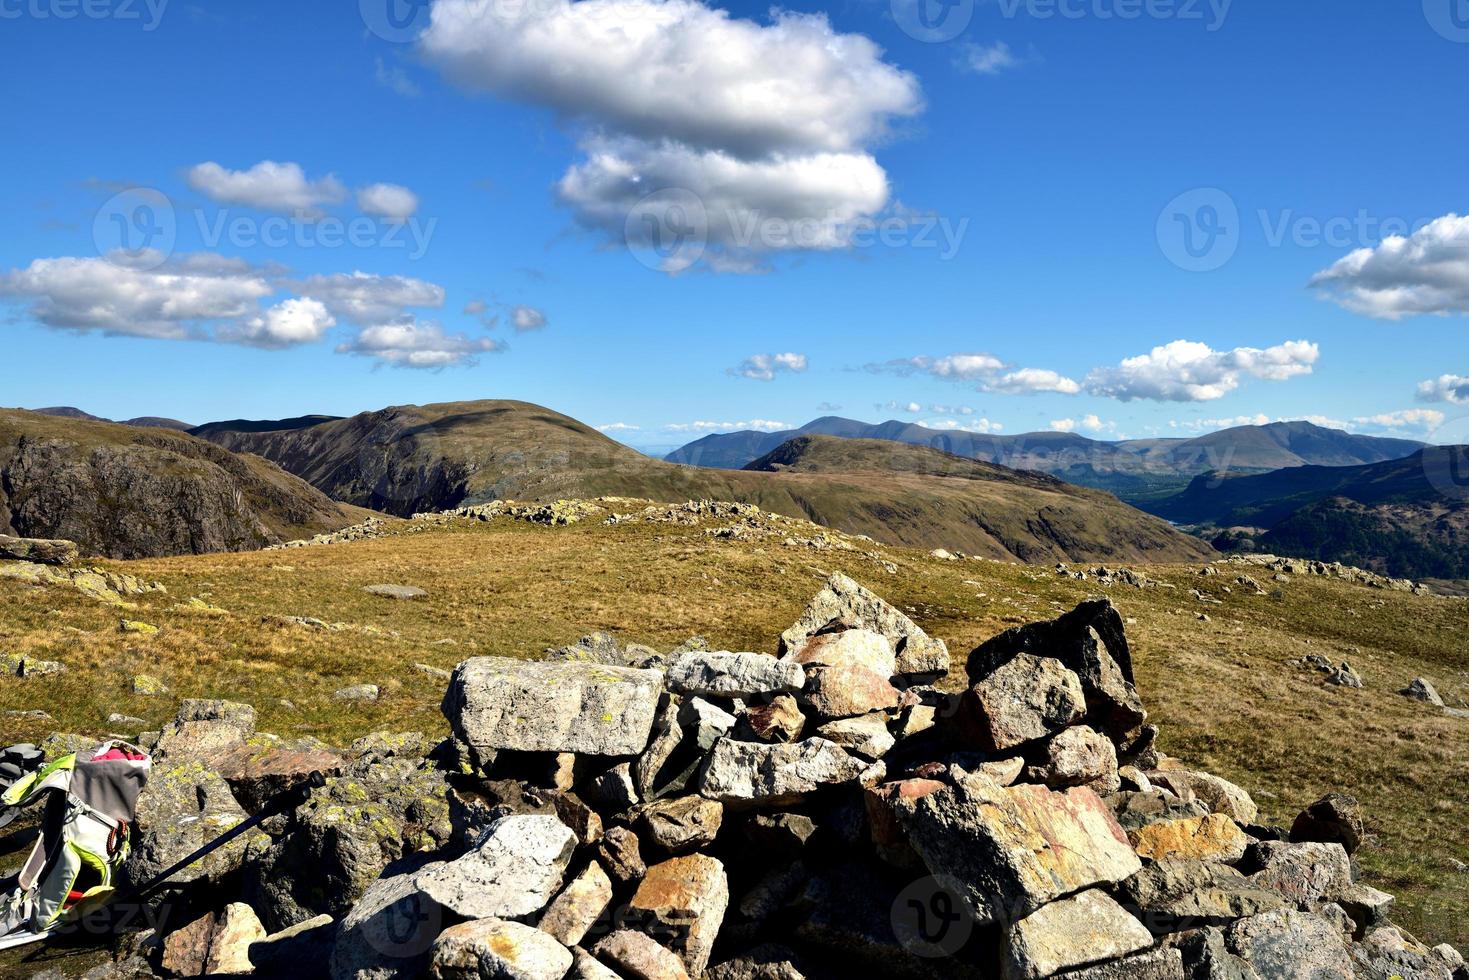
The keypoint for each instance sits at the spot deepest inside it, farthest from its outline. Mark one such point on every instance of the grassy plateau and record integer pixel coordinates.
(1226, 689)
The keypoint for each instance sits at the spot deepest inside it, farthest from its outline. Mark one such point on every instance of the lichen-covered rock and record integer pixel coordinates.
(183, 807)
(1073, 932)
(44, 551)
(733, 675)
(682, 902)
(498, 949)
(572, 913)
(515, 870)
(376, 813)
(1021, 700)
(1288, 943)
(843, 604)
(855, 647)
(497, 703)
(1307, 874)
(1091, 642)
(1211, 838)
(1079, 756)
(743, 773)
(1014, 849)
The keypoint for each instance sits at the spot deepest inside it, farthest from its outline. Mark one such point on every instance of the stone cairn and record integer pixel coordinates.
(830, 811)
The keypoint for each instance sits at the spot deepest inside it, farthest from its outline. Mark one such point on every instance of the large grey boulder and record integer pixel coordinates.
(745, 773)
(1090, 641)
(845, 605)
(1306, 874)
(499, 949)
(733, 675)
(43, 551)
(1021, 700)
(1014, 849)
(388, 934)
(515, 870)
(1292, 944)
(1073, 932)
(496, 703)
(1422, 689)
(1387, 952)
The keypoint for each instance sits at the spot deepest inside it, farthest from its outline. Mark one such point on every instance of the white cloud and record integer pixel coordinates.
(1451, 388)
(291, 322)
(140, 296)
(1030, 381)
(1063, 425)
(761, 425)
(1091, 423)
(987, 59)
(396, 79)
(412, 343)
(268, 185)
(369, 299)
(527, 318)
(984, 370)
(980, 425)
(392, 201)
(619, 427)
(1408, 418)
(1424, 273)
(761, 123)
(764, 367)
(1185, 371)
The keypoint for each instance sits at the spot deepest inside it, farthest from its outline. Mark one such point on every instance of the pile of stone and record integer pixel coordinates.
(1329, 569)
(373, 527)
(48, 562)
(836, 809)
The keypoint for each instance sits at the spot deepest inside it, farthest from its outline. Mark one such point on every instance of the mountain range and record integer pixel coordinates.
(1137, 470)
(411, 458)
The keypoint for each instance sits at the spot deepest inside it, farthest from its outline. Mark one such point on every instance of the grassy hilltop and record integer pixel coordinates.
(1226, 690)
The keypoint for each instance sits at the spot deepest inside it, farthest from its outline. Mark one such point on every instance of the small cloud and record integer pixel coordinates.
(987, 59)
(269, 186)
(1426, 273)
(527, 318)
(475, 307)
(413, 343)
(395, 79)
(291, 322)
(1031, 381)
(1063, 425)
(391, 201)
(619, 427)
(764, 367)
(1451, 388)
(1408, 418)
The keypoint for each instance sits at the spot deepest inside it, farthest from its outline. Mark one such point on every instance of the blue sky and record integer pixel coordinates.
(989, 228)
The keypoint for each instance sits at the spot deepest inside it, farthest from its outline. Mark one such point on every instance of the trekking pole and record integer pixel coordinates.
(283, 802)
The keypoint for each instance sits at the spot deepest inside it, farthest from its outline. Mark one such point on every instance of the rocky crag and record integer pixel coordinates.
(831, 810)
(125, 492)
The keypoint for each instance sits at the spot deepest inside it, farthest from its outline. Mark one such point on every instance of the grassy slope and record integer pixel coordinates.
(413, 458)
(1225, 691)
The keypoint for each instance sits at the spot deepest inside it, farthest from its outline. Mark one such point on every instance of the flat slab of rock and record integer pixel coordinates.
(44, 551)
(1078, 931)
(1014, 849)
(395, 591)
(639, 957)
(843, 604)
(847, 691)
(1211, 838)
(514, 870)
(775, 775)
(573, 913)
(683, 901)
(494, 948)
(733, 675)
(498, 703)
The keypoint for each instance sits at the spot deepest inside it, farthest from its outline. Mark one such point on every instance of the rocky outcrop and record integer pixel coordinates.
(125, 492)
(596, 820)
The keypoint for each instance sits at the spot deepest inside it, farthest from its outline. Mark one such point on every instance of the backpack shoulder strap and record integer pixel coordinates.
(31, 787)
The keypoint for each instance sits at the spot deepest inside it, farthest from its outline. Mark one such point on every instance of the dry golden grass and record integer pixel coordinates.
(1225, 690)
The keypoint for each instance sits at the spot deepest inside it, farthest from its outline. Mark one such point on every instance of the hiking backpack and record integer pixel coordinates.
(91, 799)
